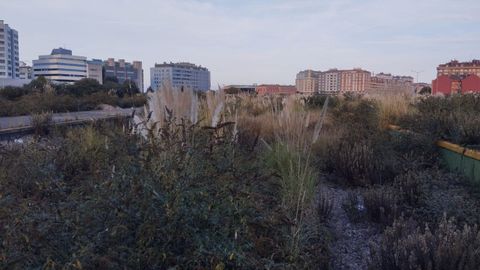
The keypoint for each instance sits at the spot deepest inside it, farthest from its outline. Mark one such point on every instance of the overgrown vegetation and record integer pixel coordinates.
(221, 181)
(87, 94)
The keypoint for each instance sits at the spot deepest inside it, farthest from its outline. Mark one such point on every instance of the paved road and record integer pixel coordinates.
(24, 121)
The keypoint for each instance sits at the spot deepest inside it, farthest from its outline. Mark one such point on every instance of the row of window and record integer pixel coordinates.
(55, 69)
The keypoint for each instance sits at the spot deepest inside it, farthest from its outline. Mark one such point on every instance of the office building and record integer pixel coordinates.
(61, 66)
(95, 70)
(122, 71)
(180, 75)
(9, 52)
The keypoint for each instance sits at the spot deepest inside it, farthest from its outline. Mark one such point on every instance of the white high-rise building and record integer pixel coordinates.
(180, 74)
(9, 52)
(61, 66)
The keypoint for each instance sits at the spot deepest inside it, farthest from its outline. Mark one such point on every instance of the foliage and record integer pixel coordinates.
(406, 246)
(102, 199)
(454, 118)
(41, 123)
(382, 204)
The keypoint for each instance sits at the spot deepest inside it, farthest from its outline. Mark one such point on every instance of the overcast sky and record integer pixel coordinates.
(247, 41)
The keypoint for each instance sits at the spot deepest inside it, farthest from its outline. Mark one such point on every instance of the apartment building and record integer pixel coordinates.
(25, 71)
(354, 80)
(329, 82)
(180, 75)
(9, 52)
(383, 83)
(307, 81)
(123, 71)
(456, 68)
(457, 77)
(61, 66)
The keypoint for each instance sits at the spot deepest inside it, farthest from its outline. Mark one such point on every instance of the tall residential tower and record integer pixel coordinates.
(9, 52)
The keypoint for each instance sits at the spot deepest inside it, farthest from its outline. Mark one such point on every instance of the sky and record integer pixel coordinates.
(247, 41)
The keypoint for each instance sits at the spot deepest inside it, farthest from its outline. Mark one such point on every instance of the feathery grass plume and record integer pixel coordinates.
(167, 104)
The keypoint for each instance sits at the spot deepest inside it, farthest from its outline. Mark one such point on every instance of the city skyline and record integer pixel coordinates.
(267, 42)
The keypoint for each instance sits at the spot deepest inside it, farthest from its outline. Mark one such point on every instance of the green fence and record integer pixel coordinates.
(460, 159)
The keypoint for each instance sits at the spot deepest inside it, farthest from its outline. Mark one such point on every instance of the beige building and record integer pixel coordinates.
(459, 68)
(354, 80)
(307, 81)
(384, 84)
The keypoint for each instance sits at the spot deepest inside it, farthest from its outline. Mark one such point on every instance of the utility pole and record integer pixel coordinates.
(417, 72)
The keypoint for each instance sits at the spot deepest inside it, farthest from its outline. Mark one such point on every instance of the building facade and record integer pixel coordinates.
(275, 89)
(26, 71)
(124, 71)
(457, 77)
(448, 85)
(354, 80)
(95, 70)
(9, 52)
(60, 66)
(385, 84)
(456, 68)
(307, 81)
(329, 82)
(180, 75)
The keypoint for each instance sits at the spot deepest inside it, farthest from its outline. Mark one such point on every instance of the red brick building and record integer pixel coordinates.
(275, 89)
(445, 84)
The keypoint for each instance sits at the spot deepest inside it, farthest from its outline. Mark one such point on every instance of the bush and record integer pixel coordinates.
(382, 204)
(101, 198)
(41, 123)
(405, 246)
(454, 118)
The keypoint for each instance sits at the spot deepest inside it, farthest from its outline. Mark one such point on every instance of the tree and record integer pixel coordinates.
(426, 90)
(85, 87)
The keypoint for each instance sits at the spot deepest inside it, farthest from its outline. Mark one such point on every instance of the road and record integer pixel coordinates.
(25, 121)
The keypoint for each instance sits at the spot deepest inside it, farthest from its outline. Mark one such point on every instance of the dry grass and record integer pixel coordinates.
(392, 108)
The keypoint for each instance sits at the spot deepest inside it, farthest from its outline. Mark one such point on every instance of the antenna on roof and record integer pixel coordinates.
(417, 73)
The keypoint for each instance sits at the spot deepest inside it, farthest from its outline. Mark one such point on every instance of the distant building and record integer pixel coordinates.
(26, 71)
(125, 71)
(61, 66)
(457, 77)
(329, 82)
(9, 52)
(276, 89)
(382, 84)
(354, 80)
(95, 70)
(307, 81)
(447, 85)
(456, 68)
(240, 88)
(180, 74)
